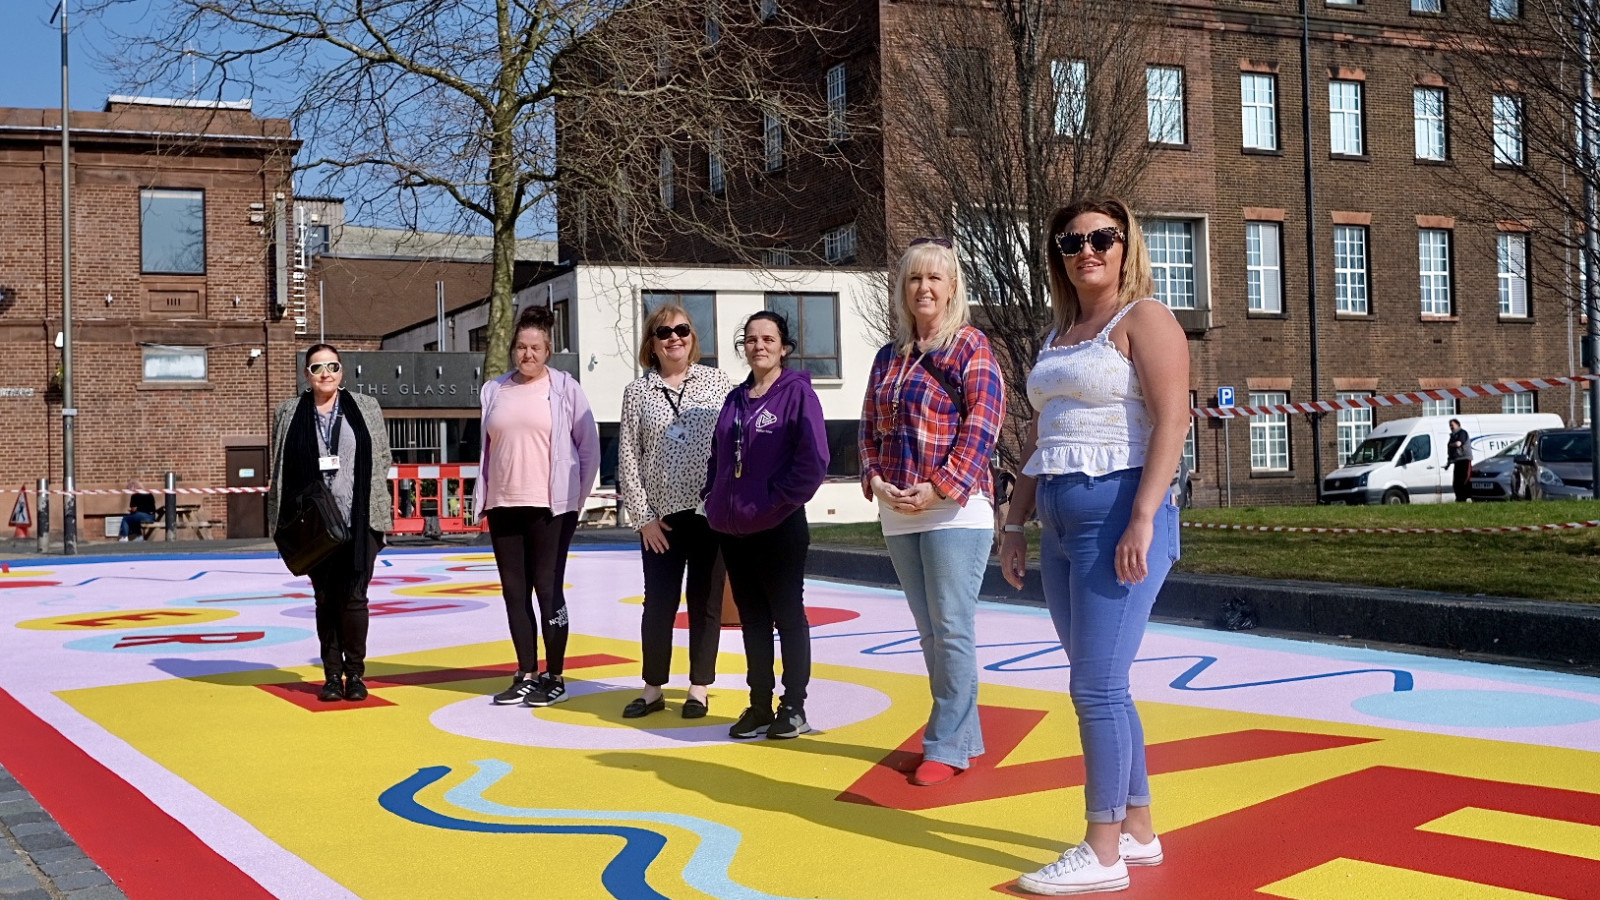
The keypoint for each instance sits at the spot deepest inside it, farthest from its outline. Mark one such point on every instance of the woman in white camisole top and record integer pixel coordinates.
(1111, 395)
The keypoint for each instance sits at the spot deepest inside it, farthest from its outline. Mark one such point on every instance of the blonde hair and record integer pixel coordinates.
(1136, 281)
(921, 258)
(662, 315)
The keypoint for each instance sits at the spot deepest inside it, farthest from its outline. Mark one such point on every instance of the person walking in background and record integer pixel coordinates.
(141, 512)
(668, 417)
(768, 457)
(340, 437)
(933, 410)
(1111, 387)
(541, 455)
(1459, 451)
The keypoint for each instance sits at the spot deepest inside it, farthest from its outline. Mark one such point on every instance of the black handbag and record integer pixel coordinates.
(312, 530)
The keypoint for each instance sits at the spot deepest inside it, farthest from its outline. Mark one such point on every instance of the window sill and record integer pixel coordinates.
(1516, 320)
(1274, 473)
(1264, 315)
(1350, 157)
(174, 386)
(1163, 145)
(1259, 151)
(1509, 167)
(827, 382)
(1427, 318)
(1427, 14)
(1353, 317)
(1424, 161)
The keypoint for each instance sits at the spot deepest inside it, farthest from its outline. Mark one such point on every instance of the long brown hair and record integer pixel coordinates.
(1135, 283)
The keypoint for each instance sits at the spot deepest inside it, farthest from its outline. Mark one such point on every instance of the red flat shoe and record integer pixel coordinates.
(931, 773)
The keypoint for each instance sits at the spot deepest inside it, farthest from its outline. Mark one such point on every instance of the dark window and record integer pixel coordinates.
(316, 240)
(702, 309)
(814, 325)
(970, 93)
(1420, 448)
(844, 458)
(478, 339)
(610, 440)
(172, 231)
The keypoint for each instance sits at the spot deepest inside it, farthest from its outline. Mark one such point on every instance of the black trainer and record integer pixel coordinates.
(552, 689)
(789, 722)
(332, 689)
(355, 690)
(522, 684)
(753, 723)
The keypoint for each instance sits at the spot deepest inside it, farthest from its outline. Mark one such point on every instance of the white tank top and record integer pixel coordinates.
(1092, 417)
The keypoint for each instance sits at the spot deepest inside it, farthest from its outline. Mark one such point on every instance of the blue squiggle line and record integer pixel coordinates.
(706, 871)
(196, 576)
(623, 877)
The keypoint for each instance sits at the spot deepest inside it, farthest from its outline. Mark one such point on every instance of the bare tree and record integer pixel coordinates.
(411, 106)
(1024, 106)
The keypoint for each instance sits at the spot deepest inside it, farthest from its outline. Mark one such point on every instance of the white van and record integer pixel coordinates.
(1405, 461)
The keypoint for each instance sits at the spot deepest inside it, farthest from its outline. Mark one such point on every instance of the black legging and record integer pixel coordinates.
(692, 545)
(341, 592)
(767, 570)
(530, 550)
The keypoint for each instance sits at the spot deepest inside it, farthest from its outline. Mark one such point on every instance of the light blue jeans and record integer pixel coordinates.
(1101, 623)
(941, 572)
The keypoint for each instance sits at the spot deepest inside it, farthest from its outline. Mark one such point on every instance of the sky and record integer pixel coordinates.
(31, 47)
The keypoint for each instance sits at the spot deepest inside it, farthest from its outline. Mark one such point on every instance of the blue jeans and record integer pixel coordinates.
(131, 523)
(941, 572)
(1101, 623)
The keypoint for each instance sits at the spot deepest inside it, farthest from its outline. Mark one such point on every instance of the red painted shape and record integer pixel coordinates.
(817, 616)
(401, 607)
(149, 854)
(304, 693)
(386, 580)
(1004, 728)
(210, 637)
(1372, 815)
(295, 596)
(8, 583)
(113, 620)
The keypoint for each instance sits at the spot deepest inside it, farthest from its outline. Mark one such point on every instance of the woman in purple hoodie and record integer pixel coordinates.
(768, 457)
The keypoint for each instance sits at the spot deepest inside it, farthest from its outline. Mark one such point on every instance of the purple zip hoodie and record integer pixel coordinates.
(784, 453)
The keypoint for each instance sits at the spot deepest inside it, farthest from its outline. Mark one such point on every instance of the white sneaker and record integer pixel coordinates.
(1137, 854)
(1078, 871)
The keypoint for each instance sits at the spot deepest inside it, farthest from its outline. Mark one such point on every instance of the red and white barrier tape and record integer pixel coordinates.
(1496, 389)
(1304, 529)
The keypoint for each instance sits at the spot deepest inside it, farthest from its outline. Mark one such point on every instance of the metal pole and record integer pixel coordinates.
(69, 413)
(1591, 240)
(1227, 453)
(172, 506)
(322, 319)
(1311, 241)
(444, 434)
(42, 493)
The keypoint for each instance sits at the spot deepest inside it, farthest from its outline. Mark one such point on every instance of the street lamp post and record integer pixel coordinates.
(69, 413)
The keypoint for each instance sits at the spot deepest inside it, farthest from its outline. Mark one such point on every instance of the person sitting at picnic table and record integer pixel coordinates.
(141, 512)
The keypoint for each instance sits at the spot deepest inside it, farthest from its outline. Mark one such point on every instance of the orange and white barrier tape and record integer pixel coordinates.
(1495, 389)
(1311, 529)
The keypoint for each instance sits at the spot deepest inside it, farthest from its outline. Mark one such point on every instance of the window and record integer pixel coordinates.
(1344, 118)
(1164, 104)
(1350, 269)
(769, 10)
(1258, 98)
(776, 256)
(844, 449)
(1505, 10)
(814, 325)
(1433, 263)
(1525, 402)
(1171, 243)
(702, 309)
(668, 189)
(772, 140)
(1355, 3)
(1427, 113)
(837, 128)
(1264, 273)
(1512, 252)
(992, 243)
(716, 178)
(478, 339)
(1191, 438)
(1269, 434)
(969, 91)
(430, 347)
(175, 364)
(839, 245)
(1507, 130)
(561, 329)
(713, 23)
(172, 232)
(1445, 407)
(1071, 79)
(1433, 7)
(316, 240)
(1354, 424)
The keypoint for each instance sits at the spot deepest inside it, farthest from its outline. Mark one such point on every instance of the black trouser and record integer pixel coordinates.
(530, 550)
(767, 570)
(1462, 480)
(341, 591)
(691, 544)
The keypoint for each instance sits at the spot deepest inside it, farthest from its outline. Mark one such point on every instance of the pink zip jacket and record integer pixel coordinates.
(574, 464)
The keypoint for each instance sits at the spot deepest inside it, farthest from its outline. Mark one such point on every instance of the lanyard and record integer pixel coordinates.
(677, 405)
(899, 389)
(330, 434)
(738, 435)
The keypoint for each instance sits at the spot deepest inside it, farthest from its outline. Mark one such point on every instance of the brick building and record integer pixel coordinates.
(1417, 285)
(181, 347)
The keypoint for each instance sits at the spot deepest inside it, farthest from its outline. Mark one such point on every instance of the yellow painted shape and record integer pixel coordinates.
(1517, 830)
(116, 620)
(636, 600)
(470, 557)
(451, 589)
(1345, 879)
(26, 573)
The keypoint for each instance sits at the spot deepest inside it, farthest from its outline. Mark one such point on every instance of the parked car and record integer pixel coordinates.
(1403, 461)
(1496, 477)
(1557, 464)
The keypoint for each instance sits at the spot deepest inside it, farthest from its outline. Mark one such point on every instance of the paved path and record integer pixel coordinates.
(39, 861)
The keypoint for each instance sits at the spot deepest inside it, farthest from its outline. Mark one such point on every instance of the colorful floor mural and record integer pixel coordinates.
(164, 709)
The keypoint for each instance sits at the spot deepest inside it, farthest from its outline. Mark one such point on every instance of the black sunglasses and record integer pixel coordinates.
(681, 329)
(942, 242)
(1071, 243)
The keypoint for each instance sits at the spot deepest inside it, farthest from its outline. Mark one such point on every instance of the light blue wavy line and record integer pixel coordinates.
(706, 871)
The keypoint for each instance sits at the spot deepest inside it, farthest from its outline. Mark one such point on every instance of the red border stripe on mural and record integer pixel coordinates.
(149, 854)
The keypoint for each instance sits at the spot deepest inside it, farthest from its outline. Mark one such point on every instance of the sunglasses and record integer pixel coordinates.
(332, 367)
(938, 241)
(681, 329)
(1071, 243)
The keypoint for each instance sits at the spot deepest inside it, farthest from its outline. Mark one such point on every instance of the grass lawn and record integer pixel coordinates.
(1554, 565)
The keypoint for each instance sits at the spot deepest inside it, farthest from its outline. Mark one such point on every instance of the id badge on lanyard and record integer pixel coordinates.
(328, 464)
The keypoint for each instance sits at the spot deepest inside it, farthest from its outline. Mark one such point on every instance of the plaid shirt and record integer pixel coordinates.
(928, 440)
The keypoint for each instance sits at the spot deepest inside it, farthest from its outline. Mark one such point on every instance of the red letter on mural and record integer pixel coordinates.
(219, 637)
(104, 621)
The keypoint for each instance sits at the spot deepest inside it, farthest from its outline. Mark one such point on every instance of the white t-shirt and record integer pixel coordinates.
(978, 513)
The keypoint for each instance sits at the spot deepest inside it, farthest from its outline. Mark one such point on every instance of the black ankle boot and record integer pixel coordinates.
(355, 690)
(332, 689)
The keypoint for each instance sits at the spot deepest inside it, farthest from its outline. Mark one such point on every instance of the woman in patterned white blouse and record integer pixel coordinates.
(668, 416)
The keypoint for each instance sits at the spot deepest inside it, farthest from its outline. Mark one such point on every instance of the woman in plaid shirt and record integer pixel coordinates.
(929, 423)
